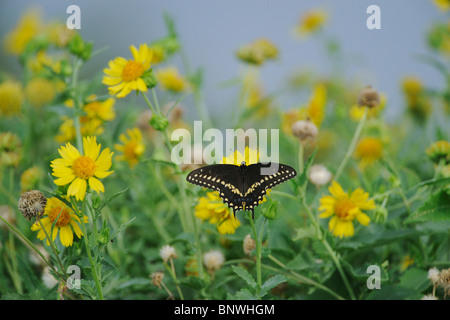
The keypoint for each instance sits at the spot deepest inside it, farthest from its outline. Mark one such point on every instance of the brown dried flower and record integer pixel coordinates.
(32, 204)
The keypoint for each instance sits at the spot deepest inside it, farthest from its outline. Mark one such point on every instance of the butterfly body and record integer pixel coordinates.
(241, 187)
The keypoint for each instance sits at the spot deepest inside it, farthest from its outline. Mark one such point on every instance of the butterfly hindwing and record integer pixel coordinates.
(241, 187)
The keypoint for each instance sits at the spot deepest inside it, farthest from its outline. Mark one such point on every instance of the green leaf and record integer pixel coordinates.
(305, 232)
(415, 279)
(436, 208)
(122, 227)
(244, 294)
(271, 283)
(247, 277)
(376, 235)
(107, 201)
(360, 272)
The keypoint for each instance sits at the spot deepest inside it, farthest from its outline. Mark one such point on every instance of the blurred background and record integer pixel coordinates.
(212, 31)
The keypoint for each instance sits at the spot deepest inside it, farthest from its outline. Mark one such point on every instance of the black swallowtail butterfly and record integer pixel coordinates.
(241, 187)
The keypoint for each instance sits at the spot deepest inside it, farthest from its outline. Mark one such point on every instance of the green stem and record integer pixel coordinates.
(88, 250)
(12, 267)
(339, 267)
(23, 238)
(149, 103)
(174, 277)
(184, 207)
(300, 158)
(352, 146)
(258, 253)
(298, 277)
(52, 245)
(198, 98)
(329, 249)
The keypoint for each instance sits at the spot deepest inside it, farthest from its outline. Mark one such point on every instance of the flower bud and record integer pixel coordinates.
(159, 122)
(80, 48)
(380, 214)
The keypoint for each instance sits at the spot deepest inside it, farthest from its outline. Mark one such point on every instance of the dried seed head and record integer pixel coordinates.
(369, 97)
(304, 130)
(157, 278)
(249, 244)
(444, 277)
(433, 275)
(213, 260)
(167, 252)
(319, 175)
(32, 204)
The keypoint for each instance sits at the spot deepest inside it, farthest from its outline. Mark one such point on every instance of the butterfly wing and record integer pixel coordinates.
(260, 177)
(241, 187)
(224, 178)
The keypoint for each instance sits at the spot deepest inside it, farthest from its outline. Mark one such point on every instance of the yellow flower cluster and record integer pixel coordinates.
(96, 111)
(258, 52)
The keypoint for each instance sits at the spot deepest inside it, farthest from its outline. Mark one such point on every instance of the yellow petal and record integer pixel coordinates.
(66, 236)
(111, 81)
(64, 180)
(69, 153)
(363, 219)
(96, 185)
(76, 228)
(336, 190)
(77, 188)
(90, 147)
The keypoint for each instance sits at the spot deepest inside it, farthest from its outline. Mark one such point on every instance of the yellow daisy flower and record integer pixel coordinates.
(27, 28)
(40, 92)
(68, 222)
(170, 79)
(345, 209)
(443, 5)
(369, 150)
(132, 148)
(315, 111)
(10, 98)
(439, 150)
(311, 21)
(124, 76)
(212, 208)
(89, 127)
(257, 52)
(103, 110)
(80, 170)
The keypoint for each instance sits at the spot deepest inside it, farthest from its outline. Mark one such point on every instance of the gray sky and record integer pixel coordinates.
(212, 30)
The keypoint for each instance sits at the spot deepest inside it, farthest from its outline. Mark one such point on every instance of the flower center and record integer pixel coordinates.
(84, 167)
(342, 208)
(64, 216)
(132, 71)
